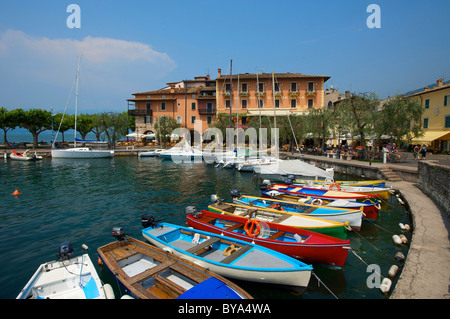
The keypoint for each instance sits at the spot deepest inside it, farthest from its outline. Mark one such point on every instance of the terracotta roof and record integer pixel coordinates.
(433, 89)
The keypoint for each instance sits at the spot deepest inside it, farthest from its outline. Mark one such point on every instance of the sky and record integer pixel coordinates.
(135, 46)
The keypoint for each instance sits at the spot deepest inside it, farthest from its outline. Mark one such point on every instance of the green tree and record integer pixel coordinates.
(36, 121)
(357, 114)
(320, 123)
(84, 124)
(164, 127)
(63, 122)
(114, 125)
(222, 123)
(97, 126)
(7, 122)
(400, 118)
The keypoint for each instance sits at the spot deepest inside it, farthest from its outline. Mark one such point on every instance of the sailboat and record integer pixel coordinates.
(78, 152)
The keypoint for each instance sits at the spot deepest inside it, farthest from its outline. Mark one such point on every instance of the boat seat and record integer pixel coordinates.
(277, 234)
(151, 271)
(236, 254)
(197, 248)
(234, 227)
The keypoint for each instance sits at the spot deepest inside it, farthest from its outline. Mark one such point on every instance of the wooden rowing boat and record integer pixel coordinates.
(382, 192)
(147, 272)
(353, 216)
(319, 225)
(230, 257)
(371, 183)
(307, 246)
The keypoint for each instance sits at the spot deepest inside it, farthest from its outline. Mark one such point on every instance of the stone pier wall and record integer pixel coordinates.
(434, 180)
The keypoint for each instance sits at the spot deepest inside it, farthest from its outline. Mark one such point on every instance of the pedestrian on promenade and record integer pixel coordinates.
(416, 152)
(424, 151)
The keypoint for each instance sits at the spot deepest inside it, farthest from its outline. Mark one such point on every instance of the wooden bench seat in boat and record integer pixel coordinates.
(151, 272)
(277, 234)
(234, 227)
(197, 248)
(236, 254)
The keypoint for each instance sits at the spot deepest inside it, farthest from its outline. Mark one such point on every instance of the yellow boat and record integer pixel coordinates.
(371, 183)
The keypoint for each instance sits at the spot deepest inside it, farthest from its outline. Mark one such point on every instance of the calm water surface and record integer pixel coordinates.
(82, 200)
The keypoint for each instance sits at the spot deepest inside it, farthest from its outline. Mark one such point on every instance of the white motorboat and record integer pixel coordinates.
(24, 156)
(67, 278)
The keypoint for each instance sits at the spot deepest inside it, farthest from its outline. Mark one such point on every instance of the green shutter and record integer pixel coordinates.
(445, 100)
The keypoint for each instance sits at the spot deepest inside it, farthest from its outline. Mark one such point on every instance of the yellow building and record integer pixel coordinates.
(436, 116)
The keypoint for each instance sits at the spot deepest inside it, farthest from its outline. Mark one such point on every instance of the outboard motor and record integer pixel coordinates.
(148, 221)
(215, 198)
(235, 193)
(288, 181)
(292, 177)
(265, 185)
(118, 233)
(65, 251)
(192, 210)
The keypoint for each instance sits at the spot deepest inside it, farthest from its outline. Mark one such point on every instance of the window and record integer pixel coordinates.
(209, 107)
(425, 122)
(147, 107)
(427, 103)
(293, 87)
(193, 119)
(178, 119)
(163, 96)
(244, 87)
(193, 106)
(447, 121)
(261, 88)
(178, 104)
(227, 104)
(310, 86)
(163, 106)
(446, 100)
(193, 96)
(277, 104)
(244, 104)
(293, 104)
(310, 103)
(330, 104)
(209, 119)
(277, 87)
(148, 120)
(227, 88)
(261, 104)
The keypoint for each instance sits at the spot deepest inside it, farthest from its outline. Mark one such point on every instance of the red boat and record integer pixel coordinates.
(307, 246)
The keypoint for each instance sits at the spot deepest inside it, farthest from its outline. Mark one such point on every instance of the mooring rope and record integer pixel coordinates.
(320, 281)
(359, 257)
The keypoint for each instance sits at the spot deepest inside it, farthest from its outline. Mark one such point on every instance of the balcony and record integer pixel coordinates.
(278, 93)
(137, 112)
(207, 110)
(293, 94)
(311, 93)
(261, 95)
(244, 94)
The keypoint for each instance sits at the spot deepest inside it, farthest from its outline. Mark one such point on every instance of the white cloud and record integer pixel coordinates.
(114, 69)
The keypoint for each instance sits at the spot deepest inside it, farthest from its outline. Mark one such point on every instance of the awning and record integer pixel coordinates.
(430, 136)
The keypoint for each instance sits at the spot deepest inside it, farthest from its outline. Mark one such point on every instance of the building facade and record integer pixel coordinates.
(249, 94)
(436, 116)
(268, 94)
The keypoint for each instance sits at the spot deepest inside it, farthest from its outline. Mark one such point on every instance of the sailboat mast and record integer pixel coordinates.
(274, 115)
(76, 105)
(231, 88)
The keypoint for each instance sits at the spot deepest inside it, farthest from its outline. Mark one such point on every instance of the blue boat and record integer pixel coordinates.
(229, 257)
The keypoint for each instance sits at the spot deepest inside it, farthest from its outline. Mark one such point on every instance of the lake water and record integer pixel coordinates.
(82, 200)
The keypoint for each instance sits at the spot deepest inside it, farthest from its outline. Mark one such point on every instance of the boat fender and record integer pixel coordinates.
(335, 184)
(85, 247)
(126, 297)
(317, 201)
(403, 238)
(397, 239)
(399, 256)
(99, 261)
(393, 271)
(229, 250)
(277, 206)
(404, 226)
(168, 250)
(109, 292)
(386, 284)
(347, 226)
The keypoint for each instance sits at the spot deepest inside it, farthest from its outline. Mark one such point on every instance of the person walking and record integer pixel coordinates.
(416, 152)
(423, 152)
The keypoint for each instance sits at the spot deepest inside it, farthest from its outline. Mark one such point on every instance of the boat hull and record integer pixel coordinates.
(318, 225)
(83, 152)
(313, 247)
(258, 264)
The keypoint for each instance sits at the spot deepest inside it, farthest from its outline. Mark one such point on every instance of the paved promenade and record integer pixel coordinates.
(426, 271)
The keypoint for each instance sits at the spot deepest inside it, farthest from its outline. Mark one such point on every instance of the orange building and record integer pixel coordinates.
(203, 98)
(185, 101)
(258, 94)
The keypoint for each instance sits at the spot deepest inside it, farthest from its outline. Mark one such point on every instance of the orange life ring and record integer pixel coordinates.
(277, 206)
(335, 184)
(252, 228)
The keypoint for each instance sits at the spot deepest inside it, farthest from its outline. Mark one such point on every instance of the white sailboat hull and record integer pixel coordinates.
(82, 152)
